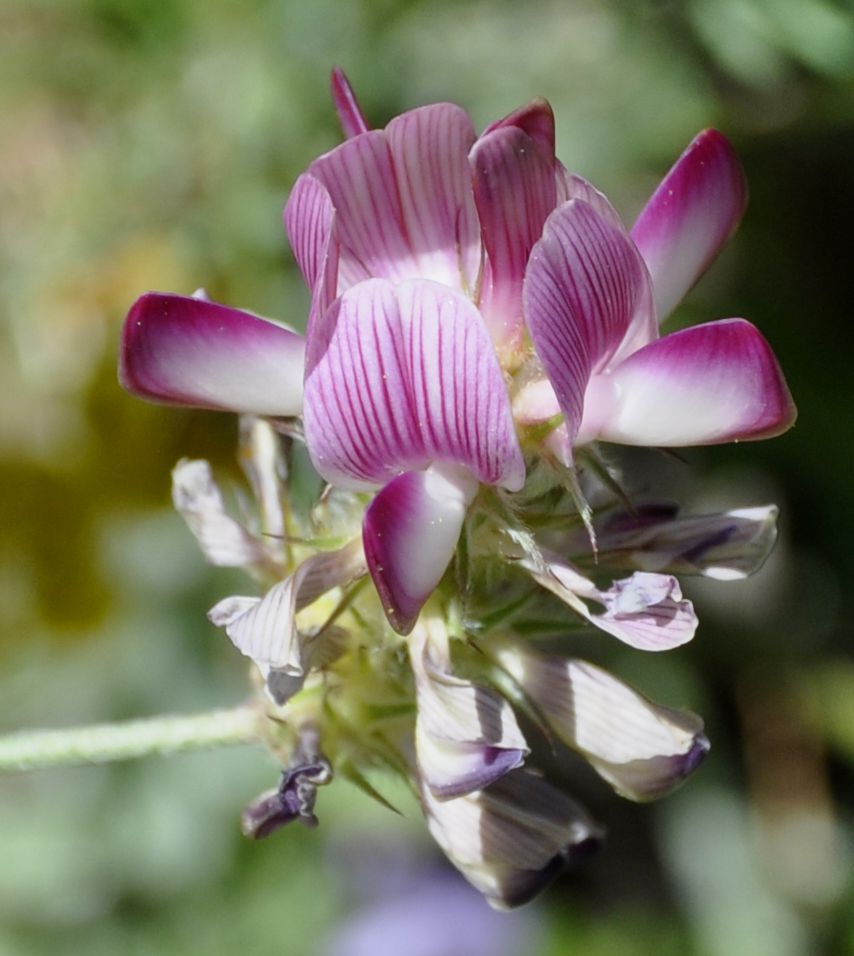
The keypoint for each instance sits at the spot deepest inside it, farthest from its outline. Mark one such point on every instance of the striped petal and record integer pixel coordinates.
(513, 172)
(189, 351)
(645, 611)
(197, 498)
(705, 385)
(403, 376)
(310, 223)
(585, 288)
(428, 148)
(403, 198)
(410, 534)
(466, 735)
(265, 630)
(642, 749)
(349, 112)
(513, 838)
(690, 217)
(726, 546)
(573, 186)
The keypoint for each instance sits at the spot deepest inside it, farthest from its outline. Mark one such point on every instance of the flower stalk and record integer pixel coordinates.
(103, 743)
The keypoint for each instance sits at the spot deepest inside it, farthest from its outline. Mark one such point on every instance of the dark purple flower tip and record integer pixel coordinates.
(293, 800)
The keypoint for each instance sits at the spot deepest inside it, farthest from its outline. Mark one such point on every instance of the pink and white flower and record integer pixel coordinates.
(477, 314)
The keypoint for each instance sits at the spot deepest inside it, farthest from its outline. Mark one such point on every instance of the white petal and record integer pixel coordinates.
(224, 541)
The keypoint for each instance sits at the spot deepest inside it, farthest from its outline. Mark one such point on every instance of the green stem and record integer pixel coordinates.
(101, 743)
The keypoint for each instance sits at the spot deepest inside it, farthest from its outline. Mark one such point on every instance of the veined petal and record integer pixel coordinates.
(704, 385)
(403, 376)
(515, 190)
(264, 629)
(642, 749)
(402, 198)
(189, 351)
(466, 735)
(310, 224)
(586, 285)
(197, 498)
(572, 186)
(347, 105)
(645, 611)
(513, 838)
(410, 534)
(690, 217)
(726, 546)
(429, 148)
(536, 119)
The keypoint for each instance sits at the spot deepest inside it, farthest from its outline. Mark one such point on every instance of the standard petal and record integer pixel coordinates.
(310, 224)
(404, 376)
(726, 546)
(429, 147)
(536, 119)
(691, 215)
(515, 190)
(466, 735)
(197, 498)
(585, 287)
(642, 749)
(573, 186)
(410, 534)
(189, 351)
(705, 385)
(349, 112)
(403, 200)
(513, 838)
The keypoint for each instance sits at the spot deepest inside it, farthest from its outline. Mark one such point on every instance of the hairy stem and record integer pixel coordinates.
(101, 743)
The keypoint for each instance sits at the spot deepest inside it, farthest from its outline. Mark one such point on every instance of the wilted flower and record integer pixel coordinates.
(478, 314)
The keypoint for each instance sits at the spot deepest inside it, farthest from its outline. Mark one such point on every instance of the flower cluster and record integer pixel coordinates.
(479, 318)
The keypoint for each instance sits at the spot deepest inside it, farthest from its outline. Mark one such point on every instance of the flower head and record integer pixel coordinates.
(478, 314)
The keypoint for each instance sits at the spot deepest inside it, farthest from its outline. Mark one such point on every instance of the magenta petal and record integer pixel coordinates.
(403, 376)
(359, 177)
(536, 119)
(515, 190)
(403, 199)
(189, 351)
(573, 186)
(704, 385)
(310, 224)
(585, 287)
(349, 112)
(410, 534)
(429, 147)
(690, 216)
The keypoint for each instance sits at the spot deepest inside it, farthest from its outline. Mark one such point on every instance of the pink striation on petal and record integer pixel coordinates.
(690, 217)
(585, 289)
(705, 385)
(536, 119)
(310, 224)
(190, 351)
(573, 186)
(513, 172)
(429, 148)
(347, 105)
(403, 199)
(403, 376)
(410, 534)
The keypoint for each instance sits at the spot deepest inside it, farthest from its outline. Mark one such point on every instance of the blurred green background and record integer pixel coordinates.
(152, 146)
